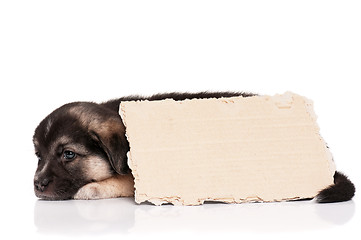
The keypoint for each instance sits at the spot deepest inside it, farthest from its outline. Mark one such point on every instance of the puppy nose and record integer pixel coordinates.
(41, 185)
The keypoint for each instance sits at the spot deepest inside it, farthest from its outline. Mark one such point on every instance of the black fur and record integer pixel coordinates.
(342, 190)
(114, 104)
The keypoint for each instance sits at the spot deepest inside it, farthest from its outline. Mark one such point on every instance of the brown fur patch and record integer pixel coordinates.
(104, 127)
(96, 168)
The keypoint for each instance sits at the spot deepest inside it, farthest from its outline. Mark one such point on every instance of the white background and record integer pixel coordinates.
(54, 52)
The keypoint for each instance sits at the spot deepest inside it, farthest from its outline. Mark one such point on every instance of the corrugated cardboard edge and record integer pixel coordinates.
(281, 101)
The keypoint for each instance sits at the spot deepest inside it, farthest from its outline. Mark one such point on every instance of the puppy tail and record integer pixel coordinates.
(342, 190)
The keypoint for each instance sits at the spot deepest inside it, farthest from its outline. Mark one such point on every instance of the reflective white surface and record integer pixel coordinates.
(123, 216)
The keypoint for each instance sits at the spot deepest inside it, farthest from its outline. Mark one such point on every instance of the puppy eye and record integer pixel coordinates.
(69, 155)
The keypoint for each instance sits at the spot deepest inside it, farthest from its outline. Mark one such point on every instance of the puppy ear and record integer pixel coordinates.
(111, 138)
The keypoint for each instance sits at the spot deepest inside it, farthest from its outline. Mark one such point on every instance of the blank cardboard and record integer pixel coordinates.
(233, 150)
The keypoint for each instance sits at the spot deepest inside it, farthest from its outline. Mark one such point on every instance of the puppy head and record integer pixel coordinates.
(77, 144)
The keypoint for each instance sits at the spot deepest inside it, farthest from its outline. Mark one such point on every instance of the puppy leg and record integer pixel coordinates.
(117, 186)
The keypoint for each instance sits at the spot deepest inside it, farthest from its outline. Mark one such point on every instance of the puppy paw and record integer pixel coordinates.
(89, 191)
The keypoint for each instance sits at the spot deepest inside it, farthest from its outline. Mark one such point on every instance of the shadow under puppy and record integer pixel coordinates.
(81, 149)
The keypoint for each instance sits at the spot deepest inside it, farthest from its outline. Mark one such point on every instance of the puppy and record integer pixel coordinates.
(81, 149)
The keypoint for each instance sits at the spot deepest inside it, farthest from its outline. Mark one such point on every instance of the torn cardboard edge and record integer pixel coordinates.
(233, 150)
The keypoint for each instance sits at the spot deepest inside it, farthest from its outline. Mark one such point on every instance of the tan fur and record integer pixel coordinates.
(95, 122)
(108, 127)
(95, 168)
(118, 186)
(81, 113)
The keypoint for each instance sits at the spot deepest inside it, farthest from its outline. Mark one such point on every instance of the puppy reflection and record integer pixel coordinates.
(84, 217)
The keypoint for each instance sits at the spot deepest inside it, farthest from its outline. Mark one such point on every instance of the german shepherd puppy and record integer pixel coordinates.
(81, 149)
